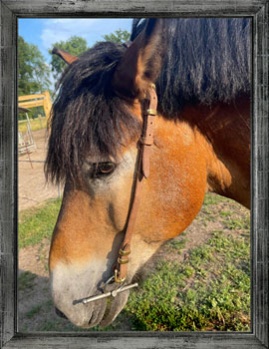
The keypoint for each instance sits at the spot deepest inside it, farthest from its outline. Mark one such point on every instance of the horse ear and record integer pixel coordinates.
(65, 56)
(141, 62)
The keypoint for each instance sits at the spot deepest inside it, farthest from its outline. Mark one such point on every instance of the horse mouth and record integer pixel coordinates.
(113, 308)
(98, 313)
(60, 313)
(108, 306)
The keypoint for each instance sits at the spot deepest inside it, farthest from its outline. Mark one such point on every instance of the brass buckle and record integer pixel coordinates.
(117, 279)
(152, 112)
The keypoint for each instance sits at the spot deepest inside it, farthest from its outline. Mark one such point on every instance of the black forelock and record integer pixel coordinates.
(87, 116)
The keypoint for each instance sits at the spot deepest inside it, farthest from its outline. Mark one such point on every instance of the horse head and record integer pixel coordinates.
(95, 148)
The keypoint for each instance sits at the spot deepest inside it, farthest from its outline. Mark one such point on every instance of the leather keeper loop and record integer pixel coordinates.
(146, 141)
(124, 253)
(121, 260)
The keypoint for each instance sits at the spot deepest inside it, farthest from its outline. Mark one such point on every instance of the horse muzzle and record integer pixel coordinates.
(96, 310)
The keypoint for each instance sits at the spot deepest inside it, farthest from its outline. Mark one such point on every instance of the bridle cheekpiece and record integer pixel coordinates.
(142, 172)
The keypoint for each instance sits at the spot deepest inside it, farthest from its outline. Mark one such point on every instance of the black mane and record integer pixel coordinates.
(207, 60)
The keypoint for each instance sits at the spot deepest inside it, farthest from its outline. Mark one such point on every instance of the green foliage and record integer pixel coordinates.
(33, 71)
(119, 36)
(74, 45)
(38, 223)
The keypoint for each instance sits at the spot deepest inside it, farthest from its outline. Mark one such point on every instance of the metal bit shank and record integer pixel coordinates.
(107, 294)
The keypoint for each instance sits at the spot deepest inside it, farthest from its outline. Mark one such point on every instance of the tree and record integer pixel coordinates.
(33, 71)
(75, 46)
(119, 36)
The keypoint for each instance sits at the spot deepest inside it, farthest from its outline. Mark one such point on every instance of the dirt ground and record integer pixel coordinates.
(33, 189)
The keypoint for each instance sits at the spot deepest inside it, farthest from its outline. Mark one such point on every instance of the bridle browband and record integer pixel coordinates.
(141, 172)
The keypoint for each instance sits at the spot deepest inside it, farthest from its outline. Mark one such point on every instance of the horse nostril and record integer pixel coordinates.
(59, 313)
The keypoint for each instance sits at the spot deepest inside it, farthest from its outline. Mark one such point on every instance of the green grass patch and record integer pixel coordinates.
(38, 223)
(26, 281)
(177, 245)
(39, 123)
(227, 212)
(210, 290)
(213, 199)
(37, 309)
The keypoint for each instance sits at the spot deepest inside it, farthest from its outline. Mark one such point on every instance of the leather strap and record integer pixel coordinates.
(142, 172)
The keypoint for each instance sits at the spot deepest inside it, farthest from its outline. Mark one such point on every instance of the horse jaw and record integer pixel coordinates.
(72, 283)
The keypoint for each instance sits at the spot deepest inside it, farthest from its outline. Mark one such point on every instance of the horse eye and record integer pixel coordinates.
(103, 169)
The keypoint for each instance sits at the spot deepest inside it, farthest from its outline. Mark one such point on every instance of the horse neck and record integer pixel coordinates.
(224, 130)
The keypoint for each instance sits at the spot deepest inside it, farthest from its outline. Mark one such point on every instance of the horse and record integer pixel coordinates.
(139, 133)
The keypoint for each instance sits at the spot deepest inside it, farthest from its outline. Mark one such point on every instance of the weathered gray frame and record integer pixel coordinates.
(11, 10)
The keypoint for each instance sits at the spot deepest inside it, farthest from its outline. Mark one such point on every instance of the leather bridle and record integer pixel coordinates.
(141, 172)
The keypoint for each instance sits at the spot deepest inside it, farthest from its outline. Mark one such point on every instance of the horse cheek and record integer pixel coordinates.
(176, 189)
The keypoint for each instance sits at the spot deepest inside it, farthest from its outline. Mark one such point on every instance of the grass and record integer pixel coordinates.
(26, 281)
(34, 311)
(35, 224)
(209, 290)
(39, 123)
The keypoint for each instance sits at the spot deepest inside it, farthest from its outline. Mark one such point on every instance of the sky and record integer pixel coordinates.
(44, 32)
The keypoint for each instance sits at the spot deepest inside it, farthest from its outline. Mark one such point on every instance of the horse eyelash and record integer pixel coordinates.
(95, 172)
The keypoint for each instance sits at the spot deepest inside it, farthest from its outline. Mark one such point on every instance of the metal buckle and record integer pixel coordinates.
(116, 278)
(152, 112)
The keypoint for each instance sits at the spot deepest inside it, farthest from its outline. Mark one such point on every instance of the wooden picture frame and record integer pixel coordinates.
(10, 11)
